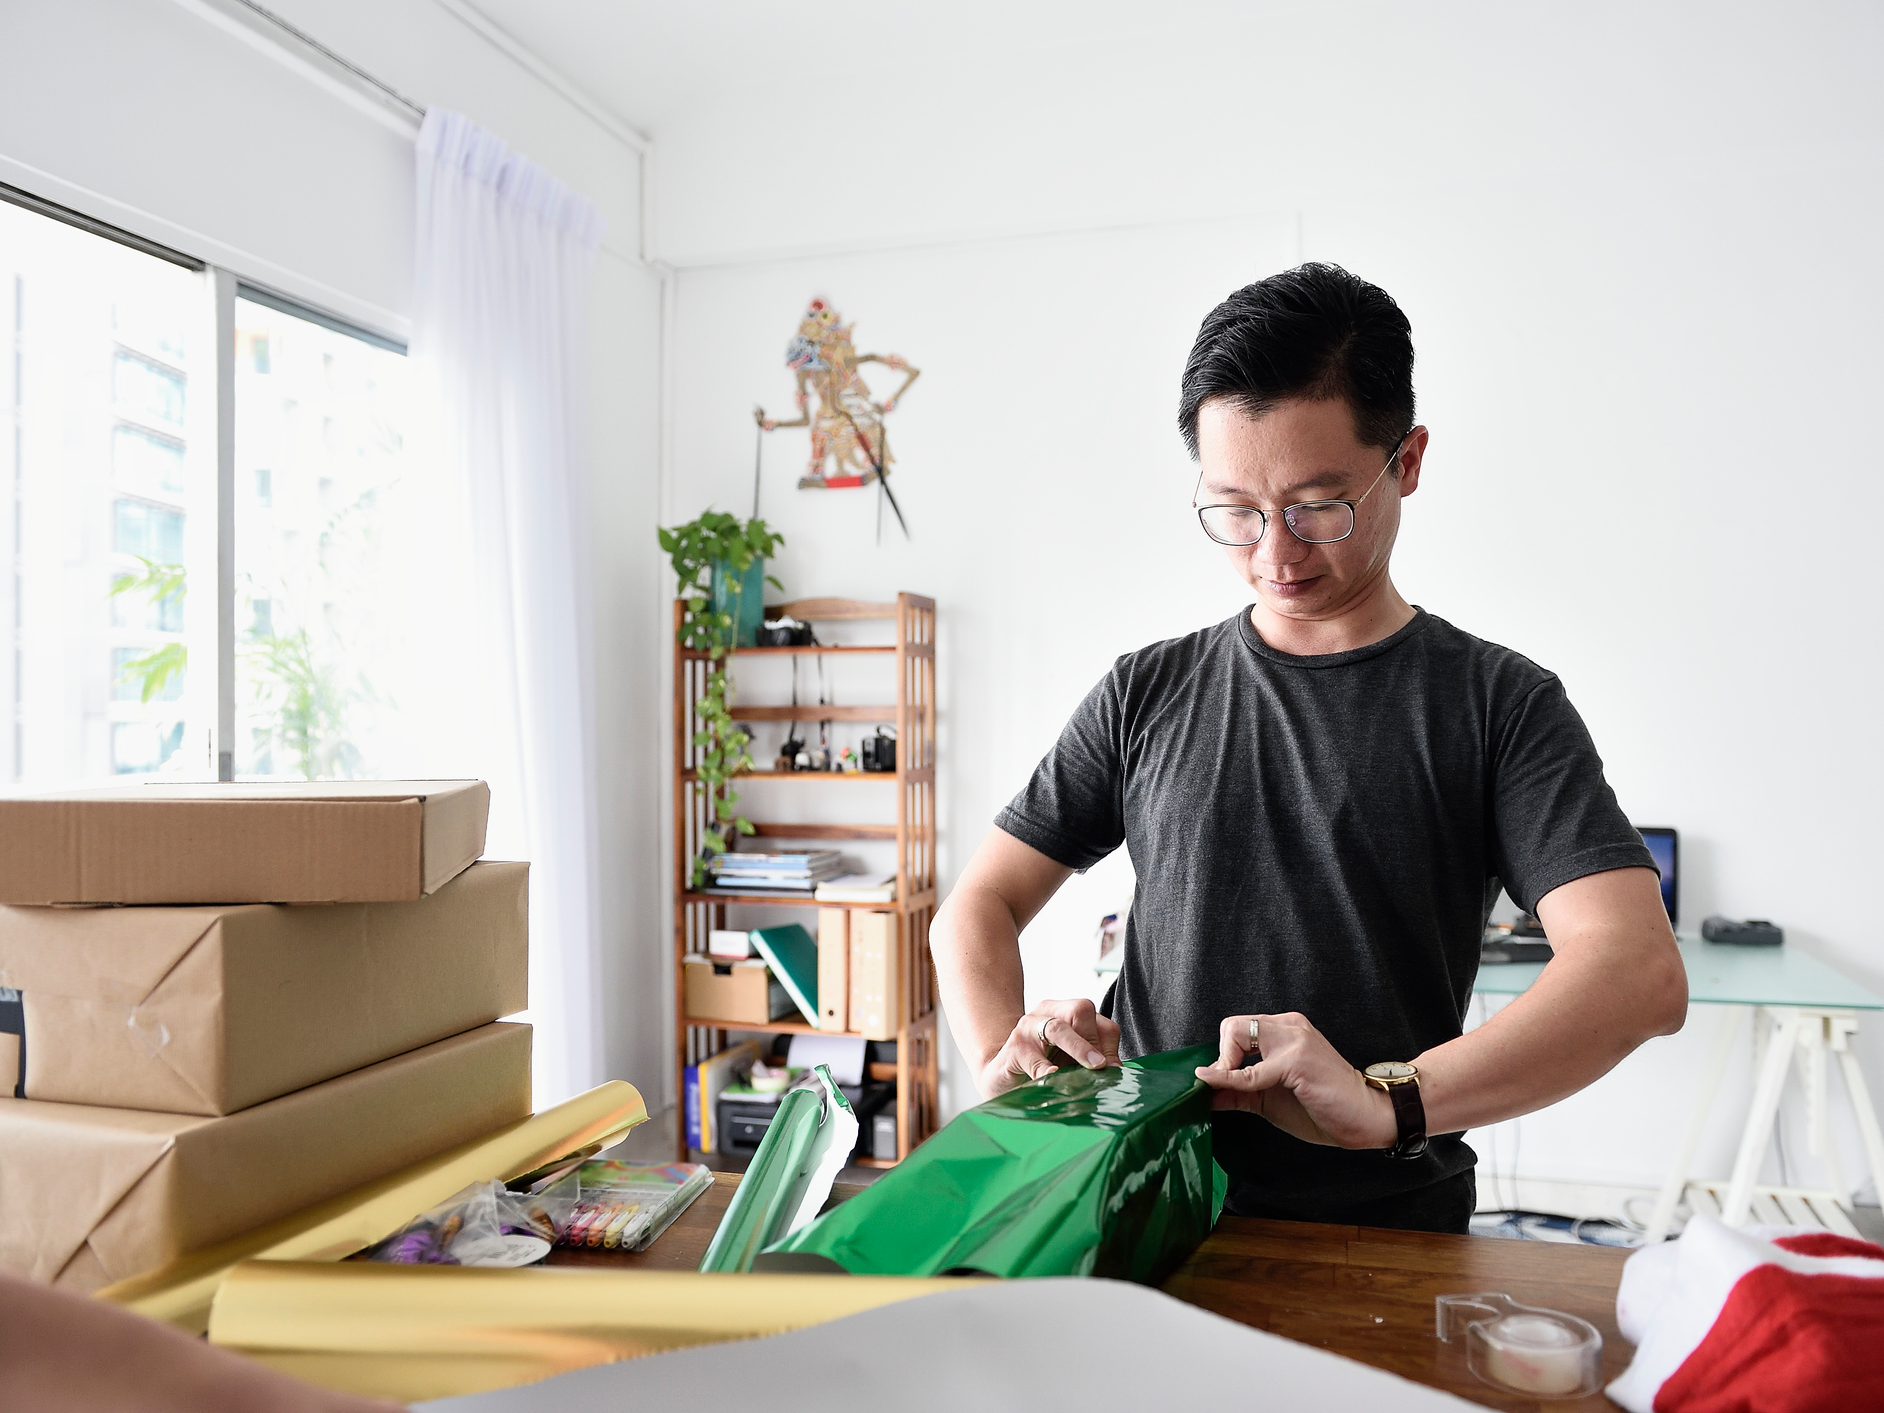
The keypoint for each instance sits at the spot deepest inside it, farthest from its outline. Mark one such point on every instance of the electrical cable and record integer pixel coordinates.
(1523, 1224)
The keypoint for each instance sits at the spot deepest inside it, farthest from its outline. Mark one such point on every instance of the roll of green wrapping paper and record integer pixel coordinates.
(1083, 1173)
(789, 1179)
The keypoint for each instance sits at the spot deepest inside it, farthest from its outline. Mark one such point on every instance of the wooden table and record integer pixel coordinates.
(1358, 1291)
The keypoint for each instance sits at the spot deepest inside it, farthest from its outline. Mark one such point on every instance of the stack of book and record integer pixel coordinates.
(859, 888)
(774, 873)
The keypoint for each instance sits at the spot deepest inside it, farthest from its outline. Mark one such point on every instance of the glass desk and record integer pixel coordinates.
(1810, 1013)
(1726, 976)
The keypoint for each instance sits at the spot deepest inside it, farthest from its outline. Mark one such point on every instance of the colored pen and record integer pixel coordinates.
(612, 1237)
(599, 1226)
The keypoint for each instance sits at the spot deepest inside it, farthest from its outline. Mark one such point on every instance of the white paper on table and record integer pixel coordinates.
(843, 1053)
(1026, 1345)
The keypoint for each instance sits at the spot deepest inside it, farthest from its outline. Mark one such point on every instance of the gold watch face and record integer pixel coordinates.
(1391, 1070)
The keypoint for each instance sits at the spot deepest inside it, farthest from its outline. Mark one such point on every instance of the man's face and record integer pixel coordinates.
(1301, 451)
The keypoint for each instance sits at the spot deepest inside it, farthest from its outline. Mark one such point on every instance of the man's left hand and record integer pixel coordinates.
(1300, 1084)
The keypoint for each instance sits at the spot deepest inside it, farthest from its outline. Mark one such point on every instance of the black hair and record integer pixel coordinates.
(1314, 332)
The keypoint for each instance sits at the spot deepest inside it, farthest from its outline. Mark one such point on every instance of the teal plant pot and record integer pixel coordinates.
(744, 599)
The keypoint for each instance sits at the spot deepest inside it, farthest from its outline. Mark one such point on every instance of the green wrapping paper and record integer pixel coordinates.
(1083, 1173)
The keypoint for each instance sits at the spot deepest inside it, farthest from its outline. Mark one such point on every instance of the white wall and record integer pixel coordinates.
(1637, 248)
(143, 114)
(1048, 502)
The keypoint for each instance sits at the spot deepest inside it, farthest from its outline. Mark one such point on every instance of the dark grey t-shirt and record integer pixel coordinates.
(1325, 835)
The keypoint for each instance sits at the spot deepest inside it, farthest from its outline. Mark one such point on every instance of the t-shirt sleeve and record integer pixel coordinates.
(1072, 810)
(1554, 817)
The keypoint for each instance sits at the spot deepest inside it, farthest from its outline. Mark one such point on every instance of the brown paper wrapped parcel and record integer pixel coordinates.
(207, 1010)
(349, 841)
(89, 1195)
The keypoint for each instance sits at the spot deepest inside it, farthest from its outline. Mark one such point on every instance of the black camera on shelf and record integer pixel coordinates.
(879, 753)
(786, 632)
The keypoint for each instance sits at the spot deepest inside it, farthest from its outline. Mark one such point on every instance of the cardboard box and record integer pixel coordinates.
(745, 992)
(876, 975)
(355, 841)
(89, 1196)
(833, 968)
(210, 1010)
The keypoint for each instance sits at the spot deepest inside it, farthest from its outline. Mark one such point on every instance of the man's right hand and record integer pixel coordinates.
(1072, 1029)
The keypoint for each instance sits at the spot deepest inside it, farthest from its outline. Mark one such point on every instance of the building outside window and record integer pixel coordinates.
(108, 524)
(320, 434)
(99, 487)
(146, 391)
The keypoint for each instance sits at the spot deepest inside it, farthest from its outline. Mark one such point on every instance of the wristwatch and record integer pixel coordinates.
(1401, 1081)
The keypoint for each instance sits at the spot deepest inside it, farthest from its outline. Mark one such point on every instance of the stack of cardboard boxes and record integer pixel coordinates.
(222, 1004)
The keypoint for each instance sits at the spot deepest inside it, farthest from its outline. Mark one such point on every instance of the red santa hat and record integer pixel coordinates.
(1778, 1319)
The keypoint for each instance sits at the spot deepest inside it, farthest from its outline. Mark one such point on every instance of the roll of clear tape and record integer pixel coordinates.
(1521, 1348)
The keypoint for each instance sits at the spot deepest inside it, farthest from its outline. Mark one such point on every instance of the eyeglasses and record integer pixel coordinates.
(1313, 522)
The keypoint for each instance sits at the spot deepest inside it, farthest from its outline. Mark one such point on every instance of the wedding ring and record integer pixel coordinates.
(1045, 1044)
(1252, 1036)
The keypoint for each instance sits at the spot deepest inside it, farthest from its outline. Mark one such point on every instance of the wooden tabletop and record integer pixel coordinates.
(1359, 1291)
(1368, 1294)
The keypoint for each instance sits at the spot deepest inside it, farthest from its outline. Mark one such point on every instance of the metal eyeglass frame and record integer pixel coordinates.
(1288, 511)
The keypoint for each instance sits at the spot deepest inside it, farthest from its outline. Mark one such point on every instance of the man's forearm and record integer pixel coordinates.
(975, 941)
(976, 946)
(1616, 981)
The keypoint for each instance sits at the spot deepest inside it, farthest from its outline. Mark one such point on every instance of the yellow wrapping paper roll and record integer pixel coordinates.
(418, 1332)
(181, 1291)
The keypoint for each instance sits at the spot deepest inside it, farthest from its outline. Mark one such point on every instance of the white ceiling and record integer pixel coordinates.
(784, 129)
(654, 60)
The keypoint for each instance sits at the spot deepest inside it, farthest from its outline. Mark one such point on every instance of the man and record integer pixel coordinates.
(1322, 797)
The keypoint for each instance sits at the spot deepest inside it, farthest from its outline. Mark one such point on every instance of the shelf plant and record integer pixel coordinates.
(713, 558)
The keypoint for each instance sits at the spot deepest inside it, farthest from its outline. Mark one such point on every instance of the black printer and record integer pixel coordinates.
(742, 1119)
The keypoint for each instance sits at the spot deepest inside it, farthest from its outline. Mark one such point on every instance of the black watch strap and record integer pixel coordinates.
(1409, 1112)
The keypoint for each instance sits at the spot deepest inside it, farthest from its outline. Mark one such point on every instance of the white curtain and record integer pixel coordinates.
(502, 661)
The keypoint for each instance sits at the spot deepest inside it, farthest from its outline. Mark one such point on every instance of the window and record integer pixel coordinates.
(317, 554)
(147, 392)
(140, 747)
(150, 330)
(149, 607)
(143, 461)
(107, 507)
(109, 523)
(152, 532)
(135, 672)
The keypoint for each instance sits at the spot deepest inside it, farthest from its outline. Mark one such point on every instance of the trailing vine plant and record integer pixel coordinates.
(695, 549)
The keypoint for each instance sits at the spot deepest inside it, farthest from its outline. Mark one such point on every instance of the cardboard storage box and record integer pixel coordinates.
(876, 975)
(196, 1010)
(89, 1196)
(746, 992)
(833, 970)
(354, 841)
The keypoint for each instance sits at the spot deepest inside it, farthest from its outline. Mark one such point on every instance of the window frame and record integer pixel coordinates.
(222, 287)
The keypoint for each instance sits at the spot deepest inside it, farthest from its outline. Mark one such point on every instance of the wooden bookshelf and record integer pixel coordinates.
(912, 656)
